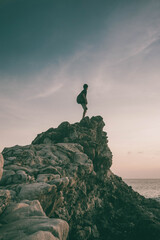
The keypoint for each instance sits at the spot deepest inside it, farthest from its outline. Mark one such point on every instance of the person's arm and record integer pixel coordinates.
(85, 98)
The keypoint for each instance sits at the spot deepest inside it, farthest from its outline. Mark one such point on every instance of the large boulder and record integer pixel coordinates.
(27, 220)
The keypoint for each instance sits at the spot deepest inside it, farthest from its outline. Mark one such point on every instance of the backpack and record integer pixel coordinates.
(80, 98)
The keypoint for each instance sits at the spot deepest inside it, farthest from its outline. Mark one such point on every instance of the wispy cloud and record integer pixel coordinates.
(140, 49)
(47, 92)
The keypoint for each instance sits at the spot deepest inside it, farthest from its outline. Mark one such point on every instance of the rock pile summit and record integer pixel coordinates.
(61, 187)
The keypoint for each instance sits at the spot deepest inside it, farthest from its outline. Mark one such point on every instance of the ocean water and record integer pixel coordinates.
(149, 188)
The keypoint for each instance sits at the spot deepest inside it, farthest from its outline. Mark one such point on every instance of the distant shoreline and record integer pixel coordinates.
(141, 178)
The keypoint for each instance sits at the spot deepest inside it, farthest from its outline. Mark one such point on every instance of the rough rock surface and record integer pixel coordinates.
(1, 165)
(62, 182)
(4, 199)
(29, 217)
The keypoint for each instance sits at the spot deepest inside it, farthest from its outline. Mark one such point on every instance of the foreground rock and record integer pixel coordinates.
(62, 182)
(27, 220)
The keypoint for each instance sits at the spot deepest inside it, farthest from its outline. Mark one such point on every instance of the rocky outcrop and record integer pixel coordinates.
(61, 185)
(88, 133)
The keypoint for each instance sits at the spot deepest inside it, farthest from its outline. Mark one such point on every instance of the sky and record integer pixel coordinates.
(50, 48)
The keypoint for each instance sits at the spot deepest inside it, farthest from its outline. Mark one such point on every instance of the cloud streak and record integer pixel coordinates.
(47, 92)
(138, 50)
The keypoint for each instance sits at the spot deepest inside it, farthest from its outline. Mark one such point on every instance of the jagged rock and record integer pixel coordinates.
(23, 209)
(64, 174)
(12, 177)
(1, 165)
(36, 191)
(47, 177)
(5, 198)
(7, 177)
(88, 133)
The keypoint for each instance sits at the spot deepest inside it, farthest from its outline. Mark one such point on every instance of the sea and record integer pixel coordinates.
(149, 188)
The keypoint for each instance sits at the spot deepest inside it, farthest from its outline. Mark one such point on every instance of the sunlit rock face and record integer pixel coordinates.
(61, 187)
(88, 133)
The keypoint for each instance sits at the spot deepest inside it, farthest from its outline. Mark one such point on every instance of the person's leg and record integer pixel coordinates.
(84, 112)
(85, 109)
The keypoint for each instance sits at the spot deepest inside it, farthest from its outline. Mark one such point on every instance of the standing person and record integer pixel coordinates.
(82, 99)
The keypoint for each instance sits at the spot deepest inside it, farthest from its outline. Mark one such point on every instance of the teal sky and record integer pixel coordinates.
(50, 48)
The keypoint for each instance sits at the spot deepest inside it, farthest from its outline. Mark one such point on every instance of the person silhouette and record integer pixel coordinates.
(82, 99)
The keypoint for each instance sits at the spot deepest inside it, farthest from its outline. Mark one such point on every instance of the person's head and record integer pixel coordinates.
(85, 86)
